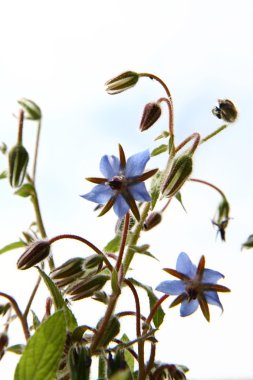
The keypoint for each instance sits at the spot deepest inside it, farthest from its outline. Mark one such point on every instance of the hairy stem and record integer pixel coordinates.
(218, 130)
(123, 241)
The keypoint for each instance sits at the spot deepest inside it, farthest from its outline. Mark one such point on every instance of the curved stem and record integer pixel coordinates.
(123, 241)
(208, 184)
(152, 76)
(141, 373)
(155, 307)
(32, 297)
(36, 150)
(85, 241)
(134, 238)
(19, 314)
(171, 121)
(196, 137)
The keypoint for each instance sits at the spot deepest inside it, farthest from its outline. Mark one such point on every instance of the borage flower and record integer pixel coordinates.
(123, 183)
(196, 287)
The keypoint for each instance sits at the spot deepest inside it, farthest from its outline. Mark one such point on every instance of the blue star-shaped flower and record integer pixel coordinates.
(196, 287)
(123, 183)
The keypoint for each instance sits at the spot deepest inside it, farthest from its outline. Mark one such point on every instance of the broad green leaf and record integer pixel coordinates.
(3, 175)
(113, 245)
(15, 245)
(159, 315)
(155, 188)
(25, 190)
(160, 149)
(128, 357)
(43, 351)
(58, 300)
(16, 349)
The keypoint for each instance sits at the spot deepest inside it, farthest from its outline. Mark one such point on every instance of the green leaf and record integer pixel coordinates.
(113, 245)
(36, 321)
(248, 243)
(115, 282)
(25, 190)
(128, 357)
(58, 300)
(179, 198)
(16, 349)
(143, 250)
(15, 245)
(3, 175)
(155, 188)
(159, 315)
(160, 149)
(43, 351)
(163, 135)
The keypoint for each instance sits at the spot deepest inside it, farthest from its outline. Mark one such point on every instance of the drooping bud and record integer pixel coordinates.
(93, 261)
(34, 253)
(121, 82)
(116, 364)
(72, 267)
(152, 220)
(180, 171)
(151, 113)
(18, 161)
(226, 110)
(87, 287)
(33, 111)
(4, 340)
(79, 362)
(112, 329)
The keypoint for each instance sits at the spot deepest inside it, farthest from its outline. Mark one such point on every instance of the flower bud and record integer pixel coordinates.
(152, 220)
(121, 82)
(4, 340)
(18, 161)
(72, 267)
(117, 363)
(79, 362)
(180, 171)
(33, 111)
(112, 329)
(34, 253)
(93, 261)
(151, 113)
(87, 287)
(226, 110)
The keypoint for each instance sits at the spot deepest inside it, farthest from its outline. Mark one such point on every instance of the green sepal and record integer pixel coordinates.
(15, 245)
(36, 321)
(163, 135)
(248, 243)
(179, 198)
(4, 174)
(128, 357)
(33, 111)
(43, 351)
(159, 315)
(160, 149)
(16, 349)
(59, 301)
(25, 190)
(142, 250)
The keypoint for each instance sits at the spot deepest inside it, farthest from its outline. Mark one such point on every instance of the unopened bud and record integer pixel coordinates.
(72, 267)
(151, 114)
(93, 261)
(226, 110)
(180, 171)
(33, 111)
(4, 340)
(18, 161)
(35, 253)
(223, 210)
(112, 329)
(117, 363)
(121, 82)
(87, 287)
(152, 220)
(79, 362)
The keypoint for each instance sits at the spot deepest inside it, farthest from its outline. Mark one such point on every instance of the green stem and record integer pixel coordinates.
(152, 76)
(196, 137)
(171, 122)
(32, 297)
(19, 314)
(134, 238)
(36, 150)
(123, 241)
(218, 130)
(20, 126)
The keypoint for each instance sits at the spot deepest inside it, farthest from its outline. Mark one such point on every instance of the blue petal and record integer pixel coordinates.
(120, 207)
(174, 287)
(109, 166)
(211, 276)
(99, 194)
(185, 266)
(136, 164)
(139, 192)
(187, 308)
(213, 299)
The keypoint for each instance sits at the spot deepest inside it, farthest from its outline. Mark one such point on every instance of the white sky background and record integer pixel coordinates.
(60, 54)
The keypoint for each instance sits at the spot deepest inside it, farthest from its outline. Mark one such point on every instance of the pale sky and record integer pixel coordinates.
(60, 54)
